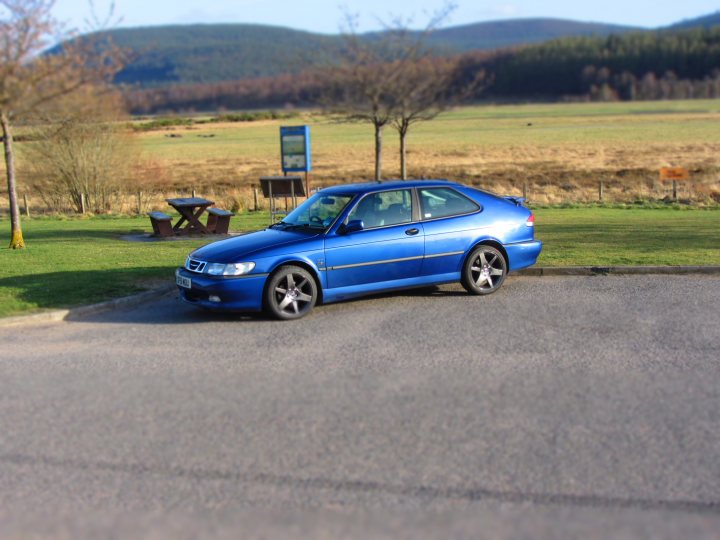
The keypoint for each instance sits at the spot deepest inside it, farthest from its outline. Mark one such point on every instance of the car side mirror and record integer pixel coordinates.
(353, 226)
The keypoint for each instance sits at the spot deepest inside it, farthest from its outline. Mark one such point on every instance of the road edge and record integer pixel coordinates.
(617, 270)
(60, 315)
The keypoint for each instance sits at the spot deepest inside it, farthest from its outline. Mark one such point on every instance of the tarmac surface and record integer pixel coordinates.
(582, 406)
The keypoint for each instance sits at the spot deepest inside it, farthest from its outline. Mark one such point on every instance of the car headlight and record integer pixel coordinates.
(236, 269)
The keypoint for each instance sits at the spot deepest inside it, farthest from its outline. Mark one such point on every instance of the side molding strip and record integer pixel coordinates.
(389, 261)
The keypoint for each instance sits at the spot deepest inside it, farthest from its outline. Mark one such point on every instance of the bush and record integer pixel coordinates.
(78, 157)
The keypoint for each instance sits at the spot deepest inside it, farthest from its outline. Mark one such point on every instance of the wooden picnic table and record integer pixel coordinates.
(190, 210)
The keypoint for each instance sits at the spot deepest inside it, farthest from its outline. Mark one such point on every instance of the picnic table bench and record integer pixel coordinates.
(190, 210)
(218, 221)
(161, 224)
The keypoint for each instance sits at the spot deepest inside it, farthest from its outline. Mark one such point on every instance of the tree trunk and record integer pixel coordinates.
(378, 151)
(16, 237)
(403, 152)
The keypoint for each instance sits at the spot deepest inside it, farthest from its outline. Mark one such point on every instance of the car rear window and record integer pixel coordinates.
(443, 202)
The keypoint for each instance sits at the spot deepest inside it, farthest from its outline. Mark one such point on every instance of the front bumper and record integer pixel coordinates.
(240, 293)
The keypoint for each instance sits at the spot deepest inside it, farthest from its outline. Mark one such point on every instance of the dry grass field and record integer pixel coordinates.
(558, 153)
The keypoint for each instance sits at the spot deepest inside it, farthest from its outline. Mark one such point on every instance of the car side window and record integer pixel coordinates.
(384, 209)
(444, 202)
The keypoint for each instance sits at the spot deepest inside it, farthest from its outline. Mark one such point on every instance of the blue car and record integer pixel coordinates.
(356, 239)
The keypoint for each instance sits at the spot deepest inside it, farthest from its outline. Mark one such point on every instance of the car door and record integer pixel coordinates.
(390, 247)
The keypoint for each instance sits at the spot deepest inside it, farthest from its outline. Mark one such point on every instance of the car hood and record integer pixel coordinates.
(239, 248)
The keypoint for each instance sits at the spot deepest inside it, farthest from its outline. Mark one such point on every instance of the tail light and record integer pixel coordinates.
(530, 221)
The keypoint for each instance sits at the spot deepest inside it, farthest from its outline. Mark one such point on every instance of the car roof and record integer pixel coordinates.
(370, 187)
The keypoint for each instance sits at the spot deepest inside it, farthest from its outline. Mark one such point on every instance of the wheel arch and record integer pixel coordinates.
(305, 266)
(489, 242)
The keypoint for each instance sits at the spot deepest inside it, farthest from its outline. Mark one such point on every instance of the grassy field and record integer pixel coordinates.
(70, 262)
(496, 146)
(559, 151)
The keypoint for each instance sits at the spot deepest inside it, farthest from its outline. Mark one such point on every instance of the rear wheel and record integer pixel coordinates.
(484, 270)
(291, 293)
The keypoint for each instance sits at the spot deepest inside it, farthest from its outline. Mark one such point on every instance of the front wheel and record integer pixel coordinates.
(291, 293)
(484, 271)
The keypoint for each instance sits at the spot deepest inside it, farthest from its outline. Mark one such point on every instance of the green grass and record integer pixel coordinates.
(70, 262)
(578, 123)
(75, 261)
(613, 236)
(477, 127)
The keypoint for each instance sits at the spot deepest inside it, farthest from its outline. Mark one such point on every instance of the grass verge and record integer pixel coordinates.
(75, 261)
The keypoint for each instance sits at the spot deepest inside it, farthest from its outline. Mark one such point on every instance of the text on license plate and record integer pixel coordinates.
(183, 281)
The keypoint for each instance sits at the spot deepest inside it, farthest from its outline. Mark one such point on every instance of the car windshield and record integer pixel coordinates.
(317, 213)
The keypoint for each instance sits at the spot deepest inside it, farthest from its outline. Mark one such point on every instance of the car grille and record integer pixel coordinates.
(195, 266)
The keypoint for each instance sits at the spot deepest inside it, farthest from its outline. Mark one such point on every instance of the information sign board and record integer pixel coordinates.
(295, 148)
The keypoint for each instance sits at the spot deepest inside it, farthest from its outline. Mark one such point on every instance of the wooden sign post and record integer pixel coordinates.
(675, 174)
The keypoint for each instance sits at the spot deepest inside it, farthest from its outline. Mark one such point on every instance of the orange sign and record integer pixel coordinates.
(674, 173)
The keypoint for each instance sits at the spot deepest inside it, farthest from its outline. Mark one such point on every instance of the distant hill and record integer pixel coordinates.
(225, 52)
(707, 21)
(500, 34)
(217, 52)
(212, 53)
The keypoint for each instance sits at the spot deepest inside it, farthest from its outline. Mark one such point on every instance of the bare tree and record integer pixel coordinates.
(30, 80)
(394, 78)
(362, 85)
(425, 90)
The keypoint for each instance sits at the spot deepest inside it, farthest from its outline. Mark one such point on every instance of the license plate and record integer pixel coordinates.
(183, 281)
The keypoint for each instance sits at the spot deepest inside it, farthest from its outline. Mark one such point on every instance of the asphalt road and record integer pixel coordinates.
(566, 407)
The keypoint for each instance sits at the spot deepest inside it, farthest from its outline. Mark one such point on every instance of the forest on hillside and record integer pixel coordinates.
(635, 66)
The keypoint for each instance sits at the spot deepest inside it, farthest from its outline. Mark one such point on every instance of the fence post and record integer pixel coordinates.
(82, 203)
(601, 191)
(255, 198)
(139, 202)
(27, 208)
(193, 193)
(675, 190)
(525, 190)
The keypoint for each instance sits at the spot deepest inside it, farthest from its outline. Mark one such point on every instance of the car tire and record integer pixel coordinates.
(291, 293)
(484, 270)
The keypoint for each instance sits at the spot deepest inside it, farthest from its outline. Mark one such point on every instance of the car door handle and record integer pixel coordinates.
(412, 232)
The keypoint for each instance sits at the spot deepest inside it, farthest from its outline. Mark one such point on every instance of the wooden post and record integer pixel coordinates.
(193, 193)
(82, 203)
(675, 198)
(525, 190)
(255, 198)
(27, 208)
(601, 190)
(139, 202)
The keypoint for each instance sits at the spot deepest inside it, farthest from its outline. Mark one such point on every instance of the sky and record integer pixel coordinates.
(326, 16)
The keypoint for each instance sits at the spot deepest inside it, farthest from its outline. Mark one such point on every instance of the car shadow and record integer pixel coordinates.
(422, 292)
(170, 309)
(68, 290)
